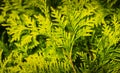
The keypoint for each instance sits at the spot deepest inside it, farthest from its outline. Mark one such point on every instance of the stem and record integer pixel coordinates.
(72, 63)
(70, 57)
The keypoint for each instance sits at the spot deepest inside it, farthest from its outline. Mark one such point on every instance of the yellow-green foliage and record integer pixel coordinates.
(66, 36)
(35, 63)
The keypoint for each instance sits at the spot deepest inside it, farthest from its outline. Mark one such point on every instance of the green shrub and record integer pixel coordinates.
(71, 36)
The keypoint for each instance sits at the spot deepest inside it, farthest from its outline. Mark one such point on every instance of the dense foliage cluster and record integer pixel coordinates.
(59, 36)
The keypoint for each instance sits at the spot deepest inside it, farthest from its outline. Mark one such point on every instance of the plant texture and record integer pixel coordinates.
(59, 36)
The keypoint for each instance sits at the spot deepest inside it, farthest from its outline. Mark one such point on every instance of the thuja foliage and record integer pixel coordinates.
(59, 36)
